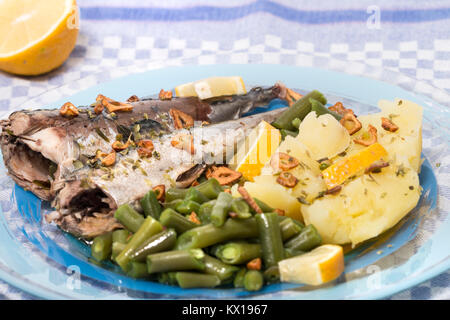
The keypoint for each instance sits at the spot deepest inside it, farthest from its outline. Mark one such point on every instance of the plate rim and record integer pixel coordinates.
(402, 285)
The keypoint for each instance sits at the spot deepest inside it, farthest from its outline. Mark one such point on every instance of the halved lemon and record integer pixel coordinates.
(36, 36)
(321, 265)
(212, 87)
(256, 151)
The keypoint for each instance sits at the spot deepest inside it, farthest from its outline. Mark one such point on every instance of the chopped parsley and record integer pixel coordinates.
(156, 155)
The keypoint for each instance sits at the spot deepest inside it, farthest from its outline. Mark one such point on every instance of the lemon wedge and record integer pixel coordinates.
(212, 87)
(256, 151)
(36, 36)
(321, 265)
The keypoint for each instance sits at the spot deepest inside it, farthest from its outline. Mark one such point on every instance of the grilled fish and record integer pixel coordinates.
(41, 148)
(86, 204)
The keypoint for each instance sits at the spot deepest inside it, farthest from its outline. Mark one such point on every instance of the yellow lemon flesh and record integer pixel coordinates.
(36, 36)
(256, 151)
(321, 265)
(212, 87)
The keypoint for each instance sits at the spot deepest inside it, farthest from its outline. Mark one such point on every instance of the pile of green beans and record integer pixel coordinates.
(165, 243)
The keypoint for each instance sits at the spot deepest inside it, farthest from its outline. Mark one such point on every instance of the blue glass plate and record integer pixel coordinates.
(41, 259)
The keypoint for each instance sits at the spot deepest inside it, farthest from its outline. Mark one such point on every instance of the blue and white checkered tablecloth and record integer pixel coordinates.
(405, 36)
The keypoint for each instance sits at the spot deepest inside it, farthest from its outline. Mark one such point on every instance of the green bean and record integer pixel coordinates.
(130, 218)
(196, 196)
(241, 208)
(238, 252)
(264, 207)
(176, 260)
(298, 110)
(149, 227)
(204, 213)
(320, 109)
(289, 252)
(172, 219)
(220, 210)
(171, 277)
(307, 240)
(175, 194)
(270, 238)
(216, 267)
(284, 133)
(120, 235)
(296, 122)
(301, 225)
(208, 235)
(253, 280)
(117, 248)
(212, 250)
(172, 204)
(272, 274)
(163, 241)
(137, 270)
(167, 278)
(196, 280)
(163, 277)
(150, 205)
(210, 188)
(289, 229)
(101, 246)
(187, 207)
(238, 281)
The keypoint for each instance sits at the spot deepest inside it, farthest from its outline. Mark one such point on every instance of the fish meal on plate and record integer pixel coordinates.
(190, 190)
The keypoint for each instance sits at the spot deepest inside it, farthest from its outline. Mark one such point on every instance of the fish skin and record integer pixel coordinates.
(63, 140)
(224, 109)
(128, 185)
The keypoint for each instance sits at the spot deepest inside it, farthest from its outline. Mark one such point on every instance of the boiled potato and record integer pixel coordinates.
(404, 145)
(324, 136)
(307, 172)
(366, 206)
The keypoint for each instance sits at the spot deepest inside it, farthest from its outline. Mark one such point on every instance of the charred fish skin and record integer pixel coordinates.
(223, 109)
(54, 139)
(131, 177)
(26, 122)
